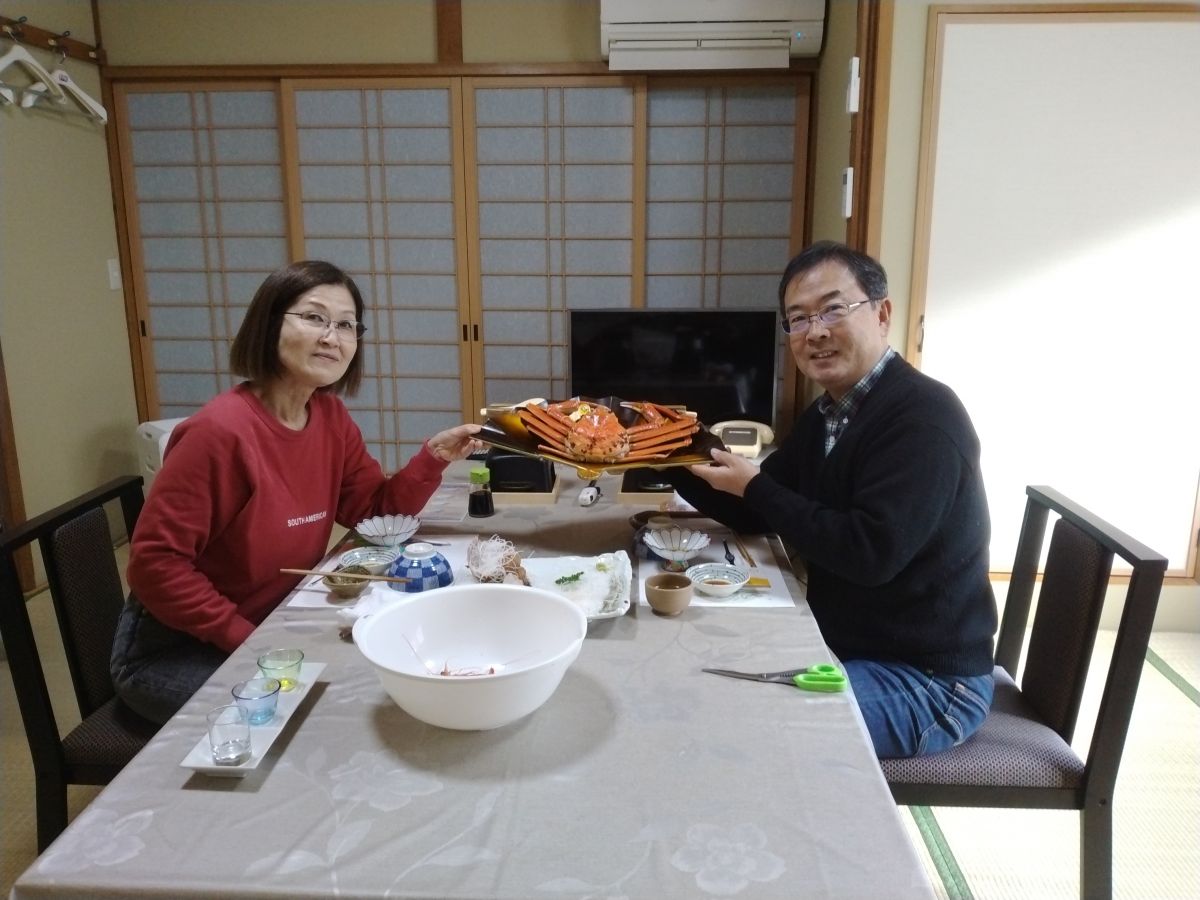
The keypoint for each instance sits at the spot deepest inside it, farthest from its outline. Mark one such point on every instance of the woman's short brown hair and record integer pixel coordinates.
(255, 351)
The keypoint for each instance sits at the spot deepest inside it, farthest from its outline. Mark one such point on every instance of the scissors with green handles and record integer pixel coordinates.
(824, 677)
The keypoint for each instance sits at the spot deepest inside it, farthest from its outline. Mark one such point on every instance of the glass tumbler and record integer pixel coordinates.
(283, 666)
(258, 697)
(229, 735)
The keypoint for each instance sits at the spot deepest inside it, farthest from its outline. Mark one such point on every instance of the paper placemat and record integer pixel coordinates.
(766, 567)
(447, 505)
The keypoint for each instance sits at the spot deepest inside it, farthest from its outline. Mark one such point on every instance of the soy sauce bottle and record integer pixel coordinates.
(479, 500)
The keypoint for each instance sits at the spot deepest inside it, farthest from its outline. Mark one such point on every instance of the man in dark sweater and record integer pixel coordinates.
(878, 489)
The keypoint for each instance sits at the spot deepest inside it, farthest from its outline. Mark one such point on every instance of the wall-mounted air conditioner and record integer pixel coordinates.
(709, 34)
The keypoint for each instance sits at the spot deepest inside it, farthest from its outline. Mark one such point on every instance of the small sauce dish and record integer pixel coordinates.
(347, 588)
(718, 579)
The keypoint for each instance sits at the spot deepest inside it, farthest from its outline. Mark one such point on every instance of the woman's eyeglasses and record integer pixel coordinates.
(343, 328)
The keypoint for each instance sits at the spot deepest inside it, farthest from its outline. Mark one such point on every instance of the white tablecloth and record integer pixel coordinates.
(641, 777)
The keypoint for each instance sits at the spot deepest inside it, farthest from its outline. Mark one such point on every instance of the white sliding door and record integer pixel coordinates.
(1056, 258)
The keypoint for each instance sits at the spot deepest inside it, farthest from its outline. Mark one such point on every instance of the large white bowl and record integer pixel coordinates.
(528, 636)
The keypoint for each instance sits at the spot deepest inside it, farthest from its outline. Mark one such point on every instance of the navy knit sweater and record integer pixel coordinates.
(893, 525)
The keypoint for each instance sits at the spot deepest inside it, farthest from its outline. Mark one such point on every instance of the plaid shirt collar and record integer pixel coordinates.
(838, 414)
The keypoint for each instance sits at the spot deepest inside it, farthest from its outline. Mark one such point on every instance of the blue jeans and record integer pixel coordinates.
(910, 712)
(156, 669)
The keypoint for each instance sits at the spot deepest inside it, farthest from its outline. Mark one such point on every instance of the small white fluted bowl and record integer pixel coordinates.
(676, 545)
(388, 531)
(528, 636)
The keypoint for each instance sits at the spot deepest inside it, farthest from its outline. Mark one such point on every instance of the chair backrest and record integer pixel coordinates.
(1076, 576)
(85, 588)
(1065, 623)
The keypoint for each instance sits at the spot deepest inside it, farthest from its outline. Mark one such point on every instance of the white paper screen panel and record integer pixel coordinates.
(718, 205)
(210, 226)
(376, 194)
(554, 171)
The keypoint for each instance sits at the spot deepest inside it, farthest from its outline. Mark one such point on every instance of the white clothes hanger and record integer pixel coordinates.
(43, 80)
(68, 88)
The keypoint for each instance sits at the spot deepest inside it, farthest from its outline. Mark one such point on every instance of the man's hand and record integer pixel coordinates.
(727, 472)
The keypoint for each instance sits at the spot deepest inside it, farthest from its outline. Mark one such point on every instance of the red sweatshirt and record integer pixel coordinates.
(240, 496)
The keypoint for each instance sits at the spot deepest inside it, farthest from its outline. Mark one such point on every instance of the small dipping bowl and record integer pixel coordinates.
(668, 593)
(282, 665)
(258, 697)
(718, 579)
(343, 587)
(374, 559)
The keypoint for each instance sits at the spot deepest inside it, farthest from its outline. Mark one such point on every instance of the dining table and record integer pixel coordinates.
(640, 777)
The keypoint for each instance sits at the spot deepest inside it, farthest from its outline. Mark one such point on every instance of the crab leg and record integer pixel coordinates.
(666, 432)
(549, 426)
(655, 452)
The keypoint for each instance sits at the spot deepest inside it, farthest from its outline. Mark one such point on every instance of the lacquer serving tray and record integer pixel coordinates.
(505, 430)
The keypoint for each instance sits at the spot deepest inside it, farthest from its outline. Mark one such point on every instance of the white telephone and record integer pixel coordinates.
(742, 437)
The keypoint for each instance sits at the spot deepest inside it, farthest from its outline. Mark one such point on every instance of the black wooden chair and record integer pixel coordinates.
(85, 588)
(1022, 757)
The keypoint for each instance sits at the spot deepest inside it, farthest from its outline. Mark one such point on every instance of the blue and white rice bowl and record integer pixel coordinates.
(424, 568)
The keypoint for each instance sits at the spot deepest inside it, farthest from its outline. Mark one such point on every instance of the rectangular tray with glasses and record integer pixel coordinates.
(261, 736)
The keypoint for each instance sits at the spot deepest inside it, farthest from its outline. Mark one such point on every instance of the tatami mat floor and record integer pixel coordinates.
(984, 854)
(1017, 853)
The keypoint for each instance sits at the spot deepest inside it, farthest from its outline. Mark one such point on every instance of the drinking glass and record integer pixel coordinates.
(283, 666)
(229, 735)
(258, 696)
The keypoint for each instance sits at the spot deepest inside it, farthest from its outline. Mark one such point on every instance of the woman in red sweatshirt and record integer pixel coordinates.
(254, 482)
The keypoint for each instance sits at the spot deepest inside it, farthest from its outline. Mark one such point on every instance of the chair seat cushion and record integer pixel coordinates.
(109, 737)
(1011, 749)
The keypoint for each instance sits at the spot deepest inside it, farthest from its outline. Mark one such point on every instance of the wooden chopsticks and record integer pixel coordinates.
(342, 574)
(737, 539)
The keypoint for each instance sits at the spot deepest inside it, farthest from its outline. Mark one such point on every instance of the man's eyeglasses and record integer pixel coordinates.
(798, 323)
(343, 328)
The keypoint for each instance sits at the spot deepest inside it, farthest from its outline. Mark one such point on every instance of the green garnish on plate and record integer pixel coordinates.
(569, 579)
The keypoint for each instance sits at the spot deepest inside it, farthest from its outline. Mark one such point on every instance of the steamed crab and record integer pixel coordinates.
(591, 432)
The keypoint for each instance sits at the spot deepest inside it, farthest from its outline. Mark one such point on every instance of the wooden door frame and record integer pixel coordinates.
(12, 498)
(868, 128)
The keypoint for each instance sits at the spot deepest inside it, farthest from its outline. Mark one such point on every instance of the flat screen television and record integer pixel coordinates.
(719, 363)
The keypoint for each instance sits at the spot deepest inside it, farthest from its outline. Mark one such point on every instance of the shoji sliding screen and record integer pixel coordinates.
(554, 219)
(377, 180)
(474, 213)
(207, 224)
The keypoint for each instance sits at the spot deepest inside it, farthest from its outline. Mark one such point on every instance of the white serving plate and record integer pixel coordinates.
(261, 736)
(600, 594)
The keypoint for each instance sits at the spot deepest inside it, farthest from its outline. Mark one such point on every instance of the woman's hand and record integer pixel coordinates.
(455, 443)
